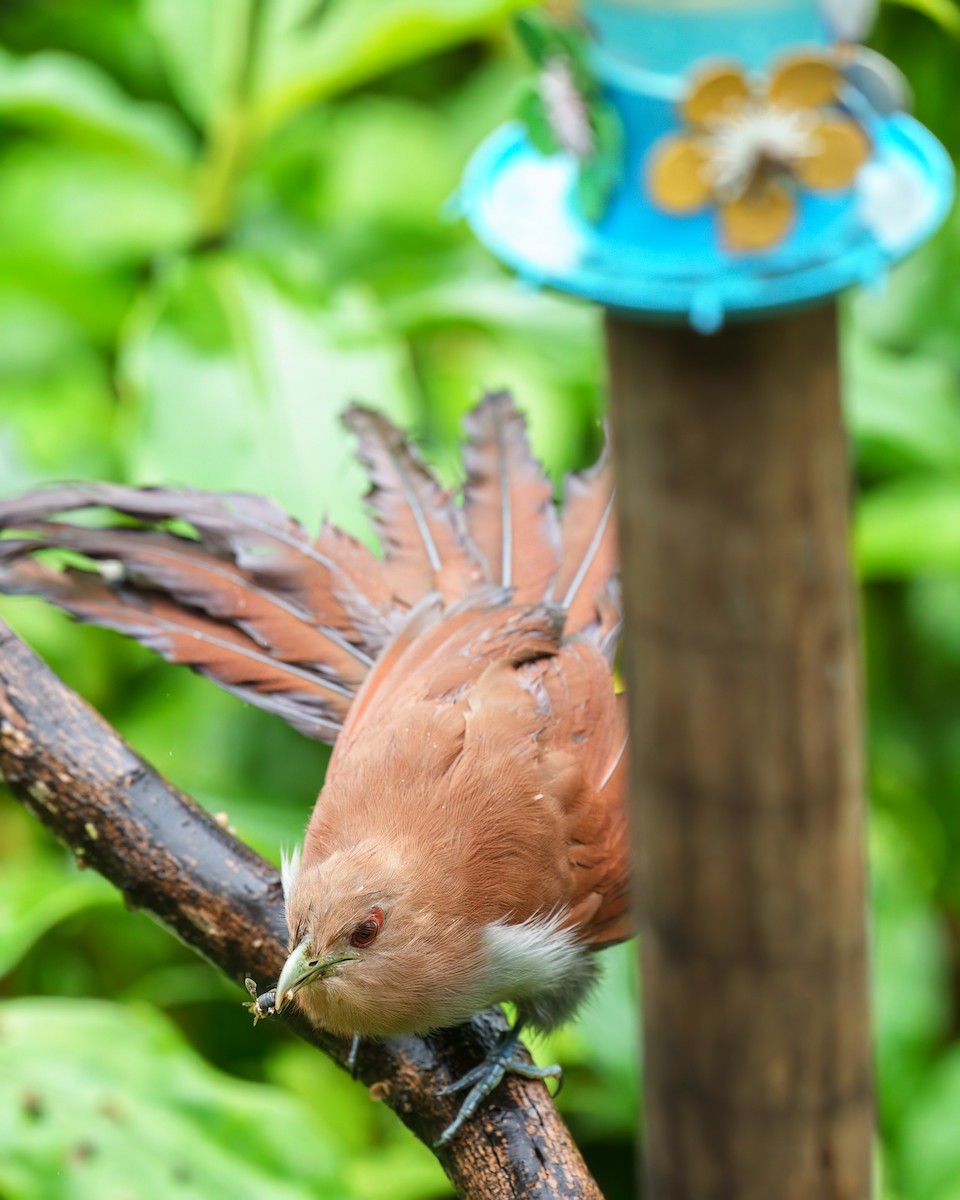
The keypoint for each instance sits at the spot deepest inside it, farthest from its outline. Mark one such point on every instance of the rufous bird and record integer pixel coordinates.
(469, 845)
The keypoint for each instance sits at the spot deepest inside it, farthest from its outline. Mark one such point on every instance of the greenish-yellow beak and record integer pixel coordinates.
(302, 968)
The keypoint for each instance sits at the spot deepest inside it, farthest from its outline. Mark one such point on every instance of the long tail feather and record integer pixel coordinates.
(251, 532)
(508, 502)
(361, 588)
(179, 568)
(589, 539)
(421, 529)
(313, 705)
(232, 586)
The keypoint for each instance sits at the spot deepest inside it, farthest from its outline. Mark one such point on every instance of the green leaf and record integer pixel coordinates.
(909, 527)
(37, 896)
(205, 45)
(909, 963)
(904, 409)
(235, 385)
(230, 757)
(537, 35)
(595, 184)
(374, 140)
(355, 1125)
(69, 98)
(354, 43)
(532, 113)
(549, 375)
(929, 1156)
(944, 12)
(544, 38)
(105, 1101)
(58, 414)
(572, 46)
(126, 210)
(608, 130)
(275, 59)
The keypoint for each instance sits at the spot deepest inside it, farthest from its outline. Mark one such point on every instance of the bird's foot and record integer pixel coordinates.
(351, 1063)
(481, 1080)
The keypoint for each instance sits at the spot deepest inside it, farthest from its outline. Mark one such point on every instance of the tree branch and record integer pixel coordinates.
(168, 856)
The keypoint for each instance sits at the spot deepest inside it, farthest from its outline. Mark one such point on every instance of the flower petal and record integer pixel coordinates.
(842, 148)
(714, 93)
(804, 81)
(761, 217)
(676, 177)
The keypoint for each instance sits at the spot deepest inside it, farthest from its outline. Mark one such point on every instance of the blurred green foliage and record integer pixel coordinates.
(220, 221)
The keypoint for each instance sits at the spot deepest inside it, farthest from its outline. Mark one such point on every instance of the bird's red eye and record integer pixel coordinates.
(367, 930)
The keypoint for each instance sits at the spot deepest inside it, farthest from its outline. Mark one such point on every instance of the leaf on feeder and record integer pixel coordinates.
(537, 35)
(600, 174)
(567, 108)
(566, 112)
(532, 113)
(544, 40)
(593, 192)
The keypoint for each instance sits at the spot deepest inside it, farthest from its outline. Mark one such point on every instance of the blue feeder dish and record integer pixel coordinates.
(699, 159)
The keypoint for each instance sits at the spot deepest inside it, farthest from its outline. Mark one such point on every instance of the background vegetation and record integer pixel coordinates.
(220, 220)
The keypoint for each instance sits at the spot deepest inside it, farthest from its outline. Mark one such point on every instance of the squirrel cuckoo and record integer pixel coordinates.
(469, 845)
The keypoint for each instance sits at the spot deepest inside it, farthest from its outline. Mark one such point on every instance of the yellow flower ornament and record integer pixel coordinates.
(752, 143)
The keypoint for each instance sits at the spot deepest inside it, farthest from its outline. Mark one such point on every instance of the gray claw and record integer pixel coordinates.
(482, 1079)
(351, 1063)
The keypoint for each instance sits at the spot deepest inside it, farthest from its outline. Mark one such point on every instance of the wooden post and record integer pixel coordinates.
(743, 679)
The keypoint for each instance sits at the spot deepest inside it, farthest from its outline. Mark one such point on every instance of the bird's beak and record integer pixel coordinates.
(301, 968)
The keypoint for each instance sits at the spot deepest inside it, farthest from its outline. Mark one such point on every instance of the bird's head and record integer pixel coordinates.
(346, 920)
(376, 946)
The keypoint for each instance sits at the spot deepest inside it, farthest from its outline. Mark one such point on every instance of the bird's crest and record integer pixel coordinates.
(289, 870)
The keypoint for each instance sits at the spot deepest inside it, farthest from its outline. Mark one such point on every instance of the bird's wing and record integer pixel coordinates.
(508, 502)
(588, 727)
(439, 654)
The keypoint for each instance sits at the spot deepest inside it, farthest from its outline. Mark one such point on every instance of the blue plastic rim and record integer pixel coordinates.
(521, 205)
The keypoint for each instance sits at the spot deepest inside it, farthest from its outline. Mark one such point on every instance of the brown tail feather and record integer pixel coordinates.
(508, 502)
(589, 538)
(178, 568)
(224, 653)
(295, 624)
(251, 532)
(421, 529)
